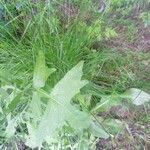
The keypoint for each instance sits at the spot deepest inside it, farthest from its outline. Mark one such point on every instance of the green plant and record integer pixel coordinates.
(48, 113)
(46, 116)
(145, 16)
(35, 34)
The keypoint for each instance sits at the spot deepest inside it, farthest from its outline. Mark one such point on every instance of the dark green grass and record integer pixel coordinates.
(64, 46)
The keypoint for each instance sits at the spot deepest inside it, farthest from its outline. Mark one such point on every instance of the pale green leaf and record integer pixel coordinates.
(59, 110)
(1, 111)
(138, 96)
(31, 138)
(36, 106)
(3, 94)
(97, 130)
(83, 145)
(11, 126)
(77, 119)
(70, 85)
(41, 71)
(10, 97)
(114, 126)
(106, 103)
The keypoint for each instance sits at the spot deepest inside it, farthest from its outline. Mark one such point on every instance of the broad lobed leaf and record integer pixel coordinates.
(59, 110)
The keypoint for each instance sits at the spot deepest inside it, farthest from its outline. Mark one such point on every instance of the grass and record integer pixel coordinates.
(64, 45)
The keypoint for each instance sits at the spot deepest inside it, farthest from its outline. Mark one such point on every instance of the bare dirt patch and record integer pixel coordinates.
(141, 41)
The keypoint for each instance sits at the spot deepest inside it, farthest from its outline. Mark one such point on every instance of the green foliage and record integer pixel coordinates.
(41, 72)
(114, 126)
(133, 95)
(145, 16)
(138, 96)
(97, 130)
(58, 108)
(107, 102)
(50, 111)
